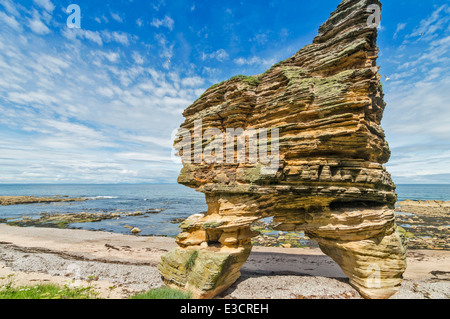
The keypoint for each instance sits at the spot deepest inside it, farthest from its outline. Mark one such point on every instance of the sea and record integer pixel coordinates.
(176, 201)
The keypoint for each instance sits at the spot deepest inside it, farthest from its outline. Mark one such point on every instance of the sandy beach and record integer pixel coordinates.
(118, 266)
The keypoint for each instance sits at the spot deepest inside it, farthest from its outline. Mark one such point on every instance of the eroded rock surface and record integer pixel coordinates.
(327, 103)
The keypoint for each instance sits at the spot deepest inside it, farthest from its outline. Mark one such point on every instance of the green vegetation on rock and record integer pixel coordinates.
(250, 80)
(191, 261)
(212, 224)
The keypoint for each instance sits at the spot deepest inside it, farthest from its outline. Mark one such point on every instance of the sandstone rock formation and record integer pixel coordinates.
(327, 104)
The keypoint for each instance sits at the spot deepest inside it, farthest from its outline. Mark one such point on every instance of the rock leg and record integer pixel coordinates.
(367, 247)
(204, 272)
(212, 249)
(374, 266)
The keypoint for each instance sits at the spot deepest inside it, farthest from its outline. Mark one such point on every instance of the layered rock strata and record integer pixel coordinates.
(322, 110)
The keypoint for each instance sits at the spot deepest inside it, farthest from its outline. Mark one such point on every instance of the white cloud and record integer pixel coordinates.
(138, 58)
(435, 22)
(36, 25)
(194, 81)
(220, 55)
(45, 4)
(400, 27)
(73, 34)
(167, 22)
(417, 97)
(105, 91)
(104, 36)
(101, 19)
(10, 21)
(254, 61)
(10, 7)
(51, 65)
(166, 49)
(116, 17)
(110, 56)
(119, 37)
(260, 38)
(92, 36)
(158, 5)
(39, 97)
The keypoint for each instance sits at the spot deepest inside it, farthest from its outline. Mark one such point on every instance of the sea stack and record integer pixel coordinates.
(318, 114)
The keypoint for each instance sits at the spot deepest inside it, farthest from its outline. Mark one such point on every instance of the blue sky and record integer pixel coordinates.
(99, 104)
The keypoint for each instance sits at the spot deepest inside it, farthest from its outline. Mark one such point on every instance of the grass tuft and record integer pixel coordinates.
(46, 292)
(163, 293)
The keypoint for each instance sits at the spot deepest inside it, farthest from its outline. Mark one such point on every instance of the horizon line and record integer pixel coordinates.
(162, 183)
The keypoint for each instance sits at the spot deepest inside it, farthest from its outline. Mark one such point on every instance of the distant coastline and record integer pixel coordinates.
(22, 200)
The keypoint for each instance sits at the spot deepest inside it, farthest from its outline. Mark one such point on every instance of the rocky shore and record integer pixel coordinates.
(430, 208)
(269, 237)
(425, 224)
(57, 220)
(21, 200)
